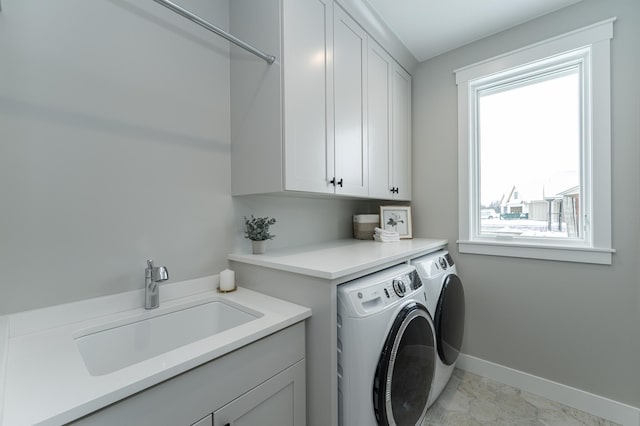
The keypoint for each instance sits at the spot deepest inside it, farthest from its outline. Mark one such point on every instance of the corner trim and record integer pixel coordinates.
(600, 406)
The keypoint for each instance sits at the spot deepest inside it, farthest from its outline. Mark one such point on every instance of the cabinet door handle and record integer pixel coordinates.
(333, 182)
(339, 182)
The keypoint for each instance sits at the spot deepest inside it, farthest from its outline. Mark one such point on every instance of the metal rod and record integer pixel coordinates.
(204, 24)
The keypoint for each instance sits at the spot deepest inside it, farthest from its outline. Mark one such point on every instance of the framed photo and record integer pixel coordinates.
(396, 218)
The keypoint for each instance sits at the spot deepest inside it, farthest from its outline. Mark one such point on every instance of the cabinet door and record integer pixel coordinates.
(280, 401)
(401, 133)
(308, 101)
(350, 105)
(379, 72)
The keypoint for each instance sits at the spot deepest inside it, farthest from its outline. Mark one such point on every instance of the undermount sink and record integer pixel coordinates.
(148, 334)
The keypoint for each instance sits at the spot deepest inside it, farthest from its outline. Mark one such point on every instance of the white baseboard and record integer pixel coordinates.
(593, 404)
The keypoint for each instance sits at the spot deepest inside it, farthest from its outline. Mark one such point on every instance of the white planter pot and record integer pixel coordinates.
(259, 247)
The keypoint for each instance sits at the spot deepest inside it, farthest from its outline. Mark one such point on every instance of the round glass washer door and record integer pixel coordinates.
(449, 319)
(405, 370)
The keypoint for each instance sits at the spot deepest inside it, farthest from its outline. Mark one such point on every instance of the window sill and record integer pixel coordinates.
(601, 256)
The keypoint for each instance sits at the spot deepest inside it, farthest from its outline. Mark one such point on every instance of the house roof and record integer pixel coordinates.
(527, 192)
(559, 183)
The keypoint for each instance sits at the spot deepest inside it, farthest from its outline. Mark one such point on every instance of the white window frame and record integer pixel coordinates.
(589, 47)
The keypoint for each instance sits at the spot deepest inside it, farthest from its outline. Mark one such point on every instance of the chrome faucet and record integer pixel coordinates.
(153, 276)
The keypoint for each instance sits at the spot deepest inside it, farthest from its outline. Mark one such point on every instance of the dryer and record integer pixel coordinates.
(386, 349)
(445, 303)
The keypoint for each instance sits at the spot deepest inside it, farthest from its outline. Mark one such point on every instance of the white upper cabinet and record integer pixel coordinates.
(308, 102)
(401, 133)
(325, 141)
(380, 70)
(389, 126)
(350, 105)
(303, 123)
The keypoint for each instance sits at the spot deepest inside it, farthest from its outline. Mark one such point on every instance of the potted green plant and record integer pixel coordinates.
(257, 230)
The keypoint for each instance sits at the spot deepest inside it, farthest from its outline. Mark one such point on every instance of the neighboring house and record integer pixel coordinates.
(562, 194)
(564, 207)
(527, 199)
(555, 201)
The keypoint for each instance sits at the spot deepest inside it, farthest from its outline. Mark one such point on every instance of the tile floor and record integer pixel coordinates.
(471, 400)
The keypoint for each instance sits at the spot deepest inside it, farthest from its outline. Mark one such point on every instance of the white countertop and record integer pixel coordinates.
(46, 381)
(340, 258)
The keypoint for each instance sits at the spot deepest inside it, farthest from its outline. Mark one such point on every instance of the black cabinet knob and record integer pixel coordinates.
(332, 182)
(340, 183)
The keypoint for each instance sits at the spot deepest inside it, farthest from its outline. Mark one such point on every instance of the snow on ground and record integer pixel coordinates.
(522, 227)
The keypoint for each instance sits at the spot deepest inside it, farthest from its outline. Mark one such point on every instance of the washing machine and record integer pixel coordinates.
(386, 349)
(445, 304)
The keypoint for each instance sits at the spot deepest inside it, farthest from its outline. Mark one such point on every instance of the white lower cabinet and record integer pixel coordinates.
(273, 403)
(207, 421)
(262, 384)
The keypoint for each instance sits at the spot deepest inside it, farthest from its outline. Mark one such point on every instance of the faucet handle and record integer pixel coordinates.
(149, 264)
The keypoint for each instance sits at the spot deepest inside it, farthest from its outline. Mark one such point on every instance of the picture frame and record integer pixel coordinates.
(397, 218)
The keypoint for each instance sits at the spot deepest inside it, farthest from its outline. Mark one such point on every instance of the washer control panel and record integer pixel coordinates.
(402, 285)
(369, 295)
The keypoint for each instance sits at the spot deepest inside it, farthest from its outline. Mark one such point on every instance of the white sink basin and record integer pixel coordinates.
(149, 334)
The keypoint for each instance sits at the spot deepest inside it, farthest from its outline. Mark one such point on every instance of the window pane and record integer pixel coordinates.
(529, 149)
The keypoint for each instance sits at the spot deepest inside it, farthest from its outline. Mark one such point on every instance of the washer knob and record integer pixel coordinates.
(399, 287)
(443, 263)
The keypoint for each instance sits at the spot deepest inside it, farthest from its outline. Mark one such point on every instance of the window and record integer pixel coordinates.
(534, 150)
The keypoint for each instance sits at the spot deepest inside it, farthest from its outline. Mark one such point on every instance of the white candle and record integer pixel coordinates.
(227, 280)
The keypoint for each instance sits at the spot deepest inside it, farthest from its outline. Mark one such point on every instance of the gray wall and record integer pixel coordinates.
(114, 148)
(299, 220)
(571, 323)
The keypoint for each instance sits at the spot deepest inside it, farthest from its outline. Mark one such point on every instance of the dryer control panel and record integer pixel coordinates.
(434, 264)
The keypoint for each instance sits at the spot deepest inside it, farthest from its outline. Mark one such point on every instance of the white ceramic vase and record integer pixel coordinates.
(259, 247)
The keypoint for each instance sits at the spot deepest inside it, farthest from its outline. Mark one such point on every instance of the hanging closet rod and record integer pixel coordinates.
(204, 24)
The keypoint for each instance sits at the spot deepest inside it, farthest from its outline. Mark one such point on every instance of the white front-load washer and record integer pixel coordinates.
(386, 349)
(445, 303)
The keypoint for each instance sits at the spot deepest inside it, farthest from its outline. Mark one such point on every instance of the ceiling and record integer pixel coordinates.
(431, 27)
